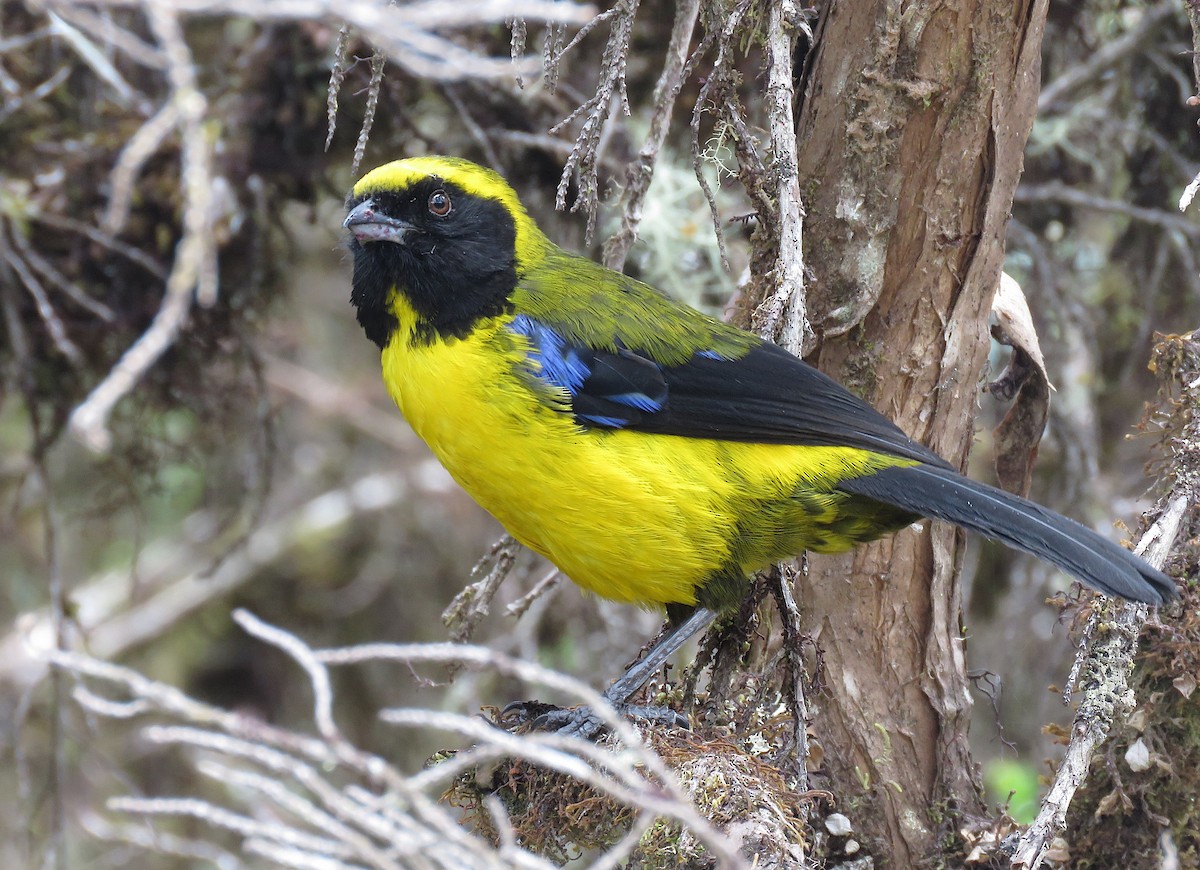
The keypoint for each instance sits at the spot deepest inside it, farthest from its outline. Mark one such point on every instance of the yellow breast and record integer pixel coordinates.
(628, 515)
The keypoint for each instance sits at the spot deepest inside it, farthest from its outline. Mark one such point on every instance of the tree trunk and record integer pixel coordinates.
(910, 168)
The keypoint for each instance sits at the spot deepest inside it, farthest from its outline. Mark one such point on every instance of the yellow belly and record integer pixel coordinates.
(630, 516)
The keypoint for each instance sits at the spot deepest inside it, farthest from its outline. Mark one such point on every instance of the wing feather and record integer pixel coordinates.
(765, 395)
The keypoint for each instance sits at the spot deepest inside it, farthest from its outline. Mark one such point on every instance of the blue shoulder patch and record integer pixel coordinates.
(607, 389)
(561, 364)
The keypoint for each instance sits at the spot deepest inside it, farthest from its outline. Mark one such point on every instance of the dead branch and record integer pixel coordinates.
(782, 316)
(641, 171)
(583, 163)
(1104, 58)
(337, 805)
(175, 584)
(1105, 659)
(710, 99)
(474, 602)
(409, 34)
(194, 273)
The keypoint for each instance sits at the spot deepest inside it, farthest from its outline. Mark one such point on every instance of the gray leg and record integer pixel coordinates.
(583, 722)
(633, 679)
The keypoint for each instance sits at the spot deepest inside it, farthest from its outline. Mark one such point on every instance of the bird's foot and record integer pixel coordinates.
(584, 721)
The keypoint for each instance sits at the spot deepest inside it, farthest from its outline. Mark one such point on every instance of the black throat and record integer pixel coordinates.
(453, 272)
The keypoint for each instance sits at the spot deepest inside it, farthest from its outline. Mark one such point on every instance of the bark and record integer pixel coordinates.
(911, 139)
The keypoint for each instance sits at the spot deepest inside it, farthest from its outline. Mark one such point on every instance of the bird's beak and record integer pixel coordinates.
(369, 225)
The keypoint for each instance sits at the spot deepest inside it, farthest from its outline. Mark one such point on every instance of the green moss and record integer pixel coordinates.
(1014, 784)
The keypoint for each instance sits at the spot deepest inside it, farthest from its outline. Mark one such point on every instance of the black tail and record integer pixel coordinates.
(946, 495)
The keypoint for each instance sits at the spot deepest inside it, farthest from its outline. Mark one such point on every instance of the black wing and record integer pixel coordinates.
(769, 396)
(764, 396)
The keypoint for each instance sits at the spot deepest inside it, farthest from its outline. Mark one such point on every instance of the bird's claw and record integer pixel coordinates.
(584, 721)
(520, 713)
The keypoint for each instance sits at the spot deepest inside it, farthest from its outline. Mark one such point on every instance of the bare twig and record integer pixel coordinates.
(96, 58)
(783, 315)
(373, 89)
(318, 818)
(474, 602)
(789, 614)
(318, 676)
(36, 95)
(555, 50)
(56, 279)
(1107, 55)
(108, 32)
(720, 78)
(641, 171)
(409, 34)
(144, 837)
(168, 699)
(89, 421)
(195, 268)
(222, 818)
(551, 581)
(196, 256)
(477, 132)
(552, 51)
(41, 300)
(103, 239)
(1105, 662)
(337, 822)
(519, 35)
(337, 74)
(141, 146)
(584, 159)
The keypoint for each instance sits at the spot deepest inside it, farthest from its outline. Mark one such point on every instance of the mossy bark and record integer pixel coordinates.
(911, 136)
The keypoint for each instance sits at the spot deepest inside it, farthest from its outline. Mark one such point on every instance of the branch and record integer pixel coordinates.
(595, 111)
(1105, 660)
(195, 267)
(641, 171)
(783, 316)
(1107, 56)
(323, 802)
(408, 34)
(473, 603)
(174, 582)
(1056, 191)
(719, 79)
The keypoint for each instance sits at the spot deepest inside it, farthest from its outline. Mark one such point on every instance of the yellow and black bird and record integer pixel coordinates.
(656, 455)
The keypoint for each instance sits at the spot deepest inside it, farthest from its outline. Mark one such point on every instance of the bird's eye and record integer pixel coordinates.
(439, 203)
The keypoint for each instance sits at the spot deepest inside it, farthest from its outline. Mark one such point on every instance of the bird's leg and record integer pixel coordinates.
(635, 677)
(584, 722)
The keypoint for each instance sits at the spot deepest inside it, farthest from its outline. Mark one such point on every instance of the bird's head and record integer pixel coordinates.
(449, 235)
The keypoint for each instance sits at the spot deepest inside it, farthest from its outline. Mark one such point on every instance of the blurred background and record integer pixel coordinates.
(258, 463)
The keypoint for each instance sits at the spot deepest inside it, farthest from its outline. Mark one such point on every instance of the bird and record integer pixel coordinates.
(654, 454)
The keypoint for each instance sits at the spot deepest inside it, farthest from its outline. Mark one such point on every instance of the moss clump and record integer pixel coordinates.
(551, 814)
(1148, 774)
(731, 765)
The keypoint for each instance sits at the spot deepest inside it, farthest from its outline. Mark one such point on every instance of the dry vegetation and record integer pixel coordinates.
(190, 424)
